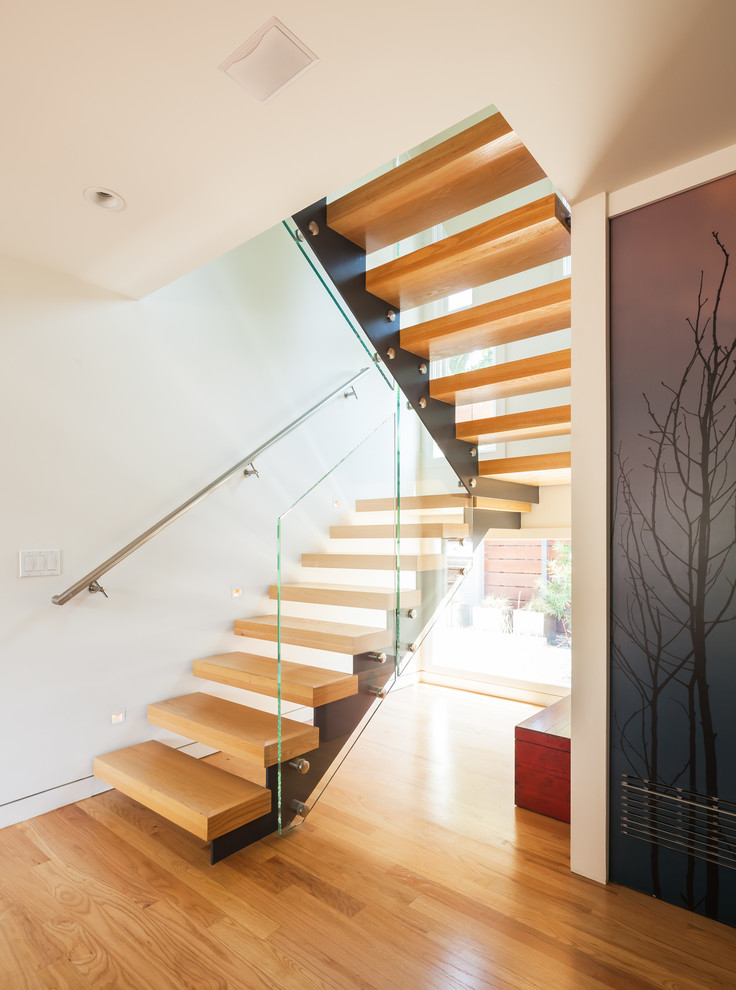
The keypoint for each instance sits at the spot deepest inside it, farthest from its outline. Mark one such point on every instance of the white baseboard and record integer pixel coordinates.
(34, 805)
(542, 695)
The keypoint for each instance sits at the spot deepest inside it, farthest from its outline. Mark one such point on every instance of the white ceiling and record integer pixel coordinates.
(127, 95)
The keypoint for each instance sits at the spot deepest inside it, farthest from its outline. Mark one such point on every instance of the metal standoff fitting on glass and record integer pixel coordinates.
(300, 808)
(391, 315)
(380, 692)
(408, 613)
(378, 657)
(301, 765)
(313, 228)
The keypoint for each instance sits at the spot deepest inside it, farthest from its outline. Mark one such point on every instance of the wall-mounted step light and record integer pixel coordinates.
(269, 61)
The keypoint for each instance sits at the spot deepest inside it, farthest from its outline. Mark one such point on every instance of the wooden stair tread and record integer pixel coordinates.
(481, 163)
(529, 236)
(198, 797)
(531, 425)
(414, 503)
(502, 381)
(356, 596)
(319, 634)
(303, 684)
(374, 562)
(424, 530)
(540, 479)
(236, 729)
(526, 314)
(536, 464)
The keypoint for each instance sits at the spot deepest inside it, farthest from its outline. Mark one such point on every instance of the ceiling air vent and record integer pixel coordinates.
(269, 61)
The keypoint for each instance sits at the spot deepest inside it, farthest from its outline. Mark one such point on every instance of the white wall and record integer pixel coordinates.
(589, 744)
(115, 412)
(590, 495)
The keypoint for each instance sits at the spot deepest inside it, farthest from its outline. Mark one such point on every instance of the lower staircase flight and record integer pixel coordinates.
(226, 810)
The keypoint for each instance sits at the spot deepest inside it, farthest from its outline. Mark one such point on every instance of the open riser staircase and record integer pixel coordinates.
(465, 173)
(486, 161)
(229, 812)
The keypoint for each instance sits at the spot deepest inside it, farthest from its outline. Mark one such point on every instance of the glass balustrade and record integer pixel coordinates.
(336, 597)
(367, 560)
(311, 259)
(436, 526)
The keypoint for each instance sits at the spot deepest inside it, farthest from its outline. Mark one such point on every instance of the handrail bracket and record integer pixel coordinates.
(95, 587)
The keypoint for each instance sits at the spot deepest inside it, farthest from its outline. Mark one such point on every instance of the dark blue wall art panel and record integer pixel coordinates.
(673, 550)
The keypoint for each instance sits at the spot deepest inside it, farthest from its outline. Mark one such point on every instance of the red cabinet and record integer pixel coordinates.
(542, 761)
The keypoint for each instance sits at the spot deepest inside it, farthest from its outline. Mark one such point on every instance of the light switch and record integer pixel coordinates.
(39, 563)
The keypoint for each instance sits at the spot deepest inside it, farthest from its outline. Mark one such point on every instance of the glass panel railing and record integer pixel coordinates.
(336, 599)
(436, 532)
(347, 316)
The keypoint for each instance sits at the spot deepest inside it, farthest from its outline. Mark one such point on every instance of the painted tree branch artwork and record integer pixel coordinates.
(674, 599)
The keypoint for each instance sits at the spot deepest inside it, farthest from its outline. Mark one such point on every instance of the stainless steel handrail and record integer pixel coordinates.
(89, 581)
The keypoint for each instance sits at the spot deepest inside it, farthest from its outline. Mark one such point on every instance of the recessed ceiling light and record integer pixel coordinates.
(269, 61)
(106, 199)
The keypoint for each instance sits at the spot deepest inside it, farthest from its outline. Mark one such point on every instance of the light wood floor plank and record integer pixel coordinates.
(132, 824)
(260, 961)
(414, 871)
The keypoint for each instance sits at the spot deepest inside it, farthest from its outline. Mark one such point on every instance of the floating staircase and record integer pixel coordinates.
(484, 162)
(226, 810)
(464, 173)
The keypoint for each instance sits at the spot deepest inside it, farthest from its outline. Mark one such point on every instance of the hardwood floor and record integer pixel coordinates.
(414, 871)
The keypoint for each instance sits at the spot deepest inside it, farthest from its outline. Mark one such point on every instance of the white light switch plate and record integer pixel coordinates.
(39, 563)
